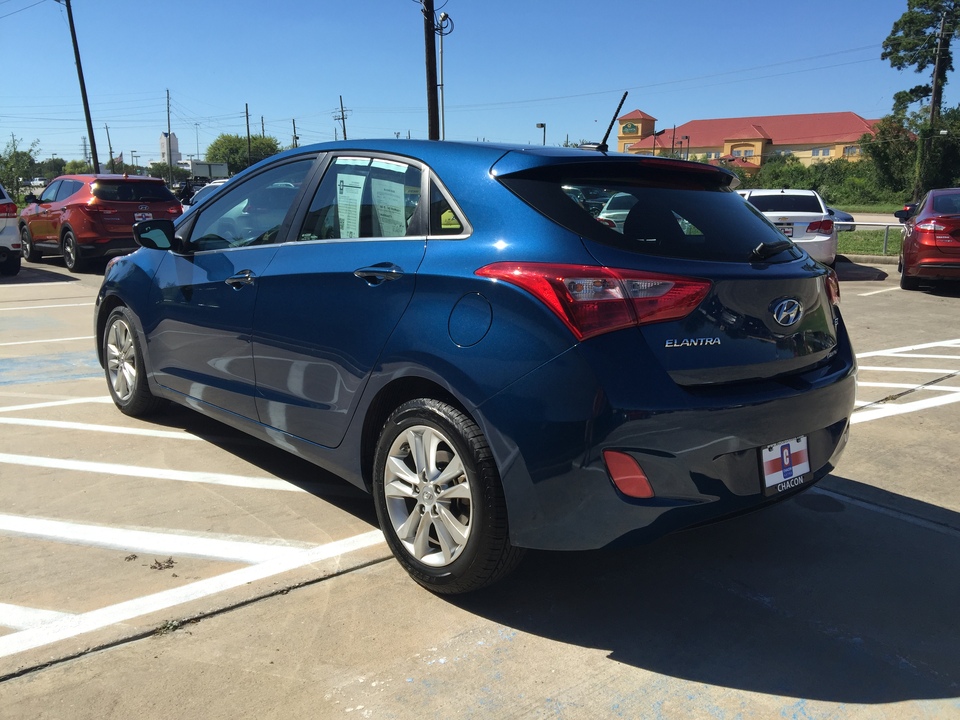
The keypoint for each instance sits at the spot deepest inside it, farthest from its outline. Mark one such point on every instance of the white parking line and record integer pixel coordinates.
(149, 541)
(44, 307)
(925, 371)
(38, 342)
(147, 472)
(877, 292)
(24, 618)
(905, 386)
(891, 409)
(64, 425)
(910, 348)
(67, 627)
(57, 403)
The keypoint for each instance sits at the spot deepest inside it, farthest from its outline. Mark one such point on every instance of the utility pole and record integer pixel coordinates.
(246, 112)
(169, 158)
(113, 167)
(83, 87)
(924, 146)
(342, 117)
(263, 128)
(295, 138)
(430, 53)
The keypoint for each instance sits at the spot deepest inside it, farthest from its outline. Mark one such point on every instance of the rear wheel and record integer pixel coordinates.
(907, 282)
(27, 250)
(10, 264)
(71, 253)
(124, 368)
(439, 499)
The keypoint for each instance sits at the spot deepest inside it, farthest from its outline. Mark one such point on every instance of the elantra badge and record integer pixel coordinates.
(787, 312)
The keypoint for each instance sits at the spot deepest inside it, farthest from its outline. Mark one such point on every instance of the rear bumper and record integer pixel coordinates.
(820, 248)
(699, 449)
(102, 248)
(935, 268)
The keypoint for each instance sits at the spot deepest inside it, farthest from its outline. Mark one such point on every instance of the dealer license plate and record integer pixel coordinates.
(142, 216)
(786, 465)
(786, 230)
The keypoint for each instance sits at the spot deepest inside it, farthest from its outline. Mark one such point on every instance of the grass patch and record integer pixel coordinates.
(868, 242)
(878, 209)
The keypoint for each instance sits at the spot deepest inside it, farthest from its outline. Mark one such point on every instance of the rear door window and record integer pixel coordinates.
(786, 203)
(365, 197)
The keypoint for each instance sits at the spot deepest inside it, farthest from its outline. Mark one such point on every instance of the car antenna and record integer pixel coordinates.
(603, 147)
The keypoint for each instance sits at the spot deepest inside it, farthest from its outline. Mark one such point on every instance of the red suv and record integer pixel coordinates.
(931, 239)
(91, 216)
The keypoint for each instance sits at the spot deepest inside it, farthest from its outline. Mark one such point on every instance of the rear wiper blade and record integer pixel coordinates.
(768, 250)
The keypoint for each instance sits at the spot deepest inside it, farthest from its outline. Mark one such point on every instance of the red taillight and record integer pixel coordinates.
(627, 474)
(93, 207)
(175, 210)
(833, 288)
(8, 210)
(592, 300)
(608, 223)
(820, 227)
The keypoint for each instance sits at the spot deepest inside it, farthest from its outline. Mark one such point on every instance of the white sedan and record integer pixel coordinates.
(802, 216)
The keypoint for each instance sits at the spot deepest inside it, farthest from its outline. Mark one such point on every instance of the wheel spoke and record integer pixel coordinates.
(448, 545)
(460, 491)
(421, 543)
(453, 529)
(399, 489)
(431, 442)
(452, 471)
(406, 531)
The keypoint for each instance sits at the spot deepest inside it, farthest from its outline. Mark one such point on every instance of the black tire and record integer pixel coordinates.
(124, 368)
(71, 253)
(907, 282)
(11, 264)
(420, 514)
(27, 250)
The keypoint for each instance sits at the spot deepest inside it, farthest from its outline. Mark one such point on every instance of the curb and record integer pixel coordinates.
(869, 259)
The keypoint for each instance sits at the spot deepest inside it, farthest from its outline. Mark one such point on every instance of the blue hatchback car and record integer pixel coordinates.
(442, 325)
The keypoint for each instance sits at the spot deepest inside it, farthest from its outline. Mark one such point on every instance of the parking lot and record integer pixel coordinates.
(177, 568)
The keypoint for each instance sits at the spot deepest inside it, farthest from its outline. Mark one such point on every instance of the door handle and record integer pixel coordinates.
(244, 277)
(379, 273)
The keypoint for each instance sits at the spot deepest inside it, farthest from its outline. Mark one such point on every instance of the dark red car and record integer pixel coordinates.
(931, 239)
(91, 216)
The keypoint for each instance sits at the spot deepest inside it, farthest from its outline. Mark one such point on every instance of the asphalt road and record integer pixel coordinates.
(177, 569)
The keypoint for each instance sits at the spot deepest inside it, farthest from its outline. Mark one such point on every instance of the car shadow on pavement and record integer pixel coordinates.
(853, 271)
(821, 597)
(272, 460)
(36, 275)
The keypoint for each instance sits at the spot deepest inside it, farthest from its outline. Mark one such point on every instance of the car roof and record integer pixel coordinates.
(90, 177)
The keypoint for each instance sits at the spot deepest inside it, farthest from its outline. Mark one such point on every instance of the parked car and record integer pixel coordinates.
(931, 239)
(615, 210)
(9, 236)
(91, 216)
(802, 216)
(438, 324)
(843, 220)
(202, 192)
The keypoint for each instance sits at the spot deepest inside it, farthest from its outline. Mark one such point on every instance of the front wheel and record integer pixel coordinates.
(124, 368)
(27, 250)
(439, 499)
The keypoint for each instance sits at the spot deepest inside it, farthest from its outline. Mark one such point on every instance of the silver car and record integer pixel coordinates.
(802, 216)
(615, 210)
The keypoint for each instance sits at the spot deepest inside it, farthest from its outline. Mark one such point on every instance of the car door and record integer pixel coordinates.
(38, 218)
(60, 210)
(204, 300)
(332, 297)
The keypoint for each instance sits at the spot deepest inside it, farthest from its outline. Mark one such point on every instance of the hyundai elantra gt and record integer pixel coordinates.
(443, 325)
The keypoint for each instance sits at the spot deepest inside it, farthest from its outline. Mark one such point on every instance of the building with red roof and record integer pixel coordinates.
(747, 141)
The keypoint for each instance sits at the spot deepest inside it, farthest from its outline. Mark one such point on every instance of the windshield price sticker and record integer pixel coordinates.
(785, 465)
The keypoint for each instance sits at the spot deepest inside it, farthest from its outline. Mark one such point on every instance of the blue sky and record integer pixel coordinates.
(508, 65)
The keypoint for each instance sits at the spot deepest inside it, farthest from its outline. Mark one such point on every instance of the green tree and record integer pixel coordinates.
(51, 167)
(77, 167)
(914, 43)
(17, 164)
(232, 149)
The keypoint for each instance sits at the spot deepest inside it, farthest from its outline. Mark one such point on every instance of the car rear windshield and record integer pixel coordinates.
(132, 191)
(786, 203)
(677, 213)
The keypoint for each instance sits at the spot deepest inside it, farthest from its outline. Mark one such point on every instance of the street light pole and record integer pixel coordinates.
(83, 87)
(544, 127)
(444, 27)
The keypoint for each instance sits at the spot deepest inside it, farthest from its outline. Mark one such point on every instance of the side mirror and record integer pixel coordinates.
(29, 198)
(157, 234)
(831, 212)
(903, 215)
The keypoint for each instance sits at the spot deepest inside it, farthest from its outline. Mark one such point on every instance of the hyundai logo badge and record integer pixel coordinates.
(787, 312)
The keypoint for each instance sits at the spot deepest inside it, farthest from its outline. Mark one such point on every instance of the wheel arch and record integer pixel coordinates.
(107, 306)
(388, 399)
